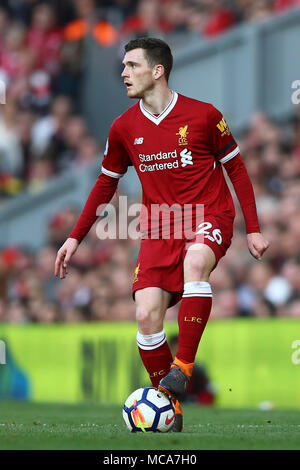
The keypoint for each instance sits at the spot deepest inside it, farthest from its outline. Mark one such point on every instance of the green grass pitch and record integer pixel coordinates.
(95, 426)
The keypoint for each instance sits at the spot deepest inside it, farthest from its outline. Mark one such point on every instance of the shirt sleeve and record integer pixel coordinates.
(243, 188)
(227, 152)
(100, 195)
(220, 140)
(116, 159)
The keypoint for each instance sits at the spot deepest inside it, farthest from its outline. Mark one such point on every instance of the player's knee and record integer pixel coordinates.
(198, 265)
(149, 319)
(142, 315)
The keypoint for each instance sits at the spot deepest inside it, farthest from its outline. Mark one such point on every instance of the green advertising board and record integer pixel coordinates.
(250, 361)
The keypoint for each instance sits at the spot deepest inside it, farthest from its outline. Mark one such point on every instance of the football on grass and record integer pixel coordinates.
(148, 410)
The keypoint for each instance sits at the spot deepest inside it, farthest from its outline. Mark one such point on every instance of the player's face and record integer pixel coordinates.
(138, 76)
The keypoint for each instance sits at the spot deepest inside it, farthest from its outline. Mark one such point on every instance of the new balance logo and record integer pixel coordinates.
(138, 140)
(186, 157)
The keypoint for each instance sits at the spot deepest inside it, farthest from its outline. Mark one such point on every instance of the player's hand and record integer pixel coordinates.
(257, 245)
(63, 257)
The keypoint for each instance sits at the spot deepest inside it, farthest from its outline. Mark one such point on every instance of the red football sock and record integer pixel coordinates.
(192, 318)
(155, 354)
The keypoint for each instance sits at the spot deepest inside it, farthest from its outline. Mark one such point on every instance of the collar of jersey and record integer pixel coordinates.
(164, 114)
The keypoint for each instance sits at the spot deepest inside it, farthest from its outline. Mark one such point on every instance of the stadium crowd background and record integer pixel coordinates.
(43, 134)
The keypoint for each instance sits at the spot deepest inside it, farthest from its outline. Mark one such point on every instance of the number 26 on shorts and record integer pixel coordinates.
(205, 230)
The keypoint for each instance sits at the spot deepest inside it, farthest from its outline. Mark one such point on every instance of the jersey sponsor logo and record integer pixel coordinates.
(158, 166)
(138, 140)
(157, 156)
(183, 132)
(186, 157)
(171, 156)
(223, 127)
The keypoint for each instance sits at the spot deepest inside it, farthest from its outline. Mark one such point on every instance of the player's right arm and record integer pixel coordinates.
(63, 257)
(114, 166)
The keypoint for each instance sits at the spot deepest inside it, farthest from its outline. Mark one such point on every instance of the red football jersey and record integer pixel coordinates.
(178, 155)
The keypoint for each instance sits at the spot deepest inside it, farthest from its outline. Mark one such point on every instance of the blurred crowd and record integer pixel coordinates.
(43, 134)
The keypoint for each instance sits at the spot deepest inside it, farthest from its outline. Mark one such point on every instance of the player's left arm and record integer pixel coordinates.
(257, 244)
(239, 177)
(227, 152)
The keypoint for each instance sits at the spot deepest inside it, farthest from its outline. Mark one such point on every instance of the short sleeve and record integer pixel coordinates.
(116, 159)
(220, 140)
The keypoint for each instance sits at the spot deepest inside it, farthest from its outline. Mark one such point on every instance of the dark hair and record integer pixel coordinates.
(156, 51)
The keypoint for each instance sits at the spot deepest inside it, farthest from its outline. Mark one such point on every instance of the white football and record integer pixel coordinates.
(148, 410)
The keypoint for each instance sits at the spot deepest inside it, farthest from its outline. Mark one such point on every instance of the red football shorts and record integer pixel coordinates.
(160, 261)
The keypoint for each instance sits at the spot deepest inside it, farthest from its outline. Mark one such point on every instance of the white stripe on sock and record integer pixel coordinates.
(197, 295)
(148, 342)
(197, 289)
